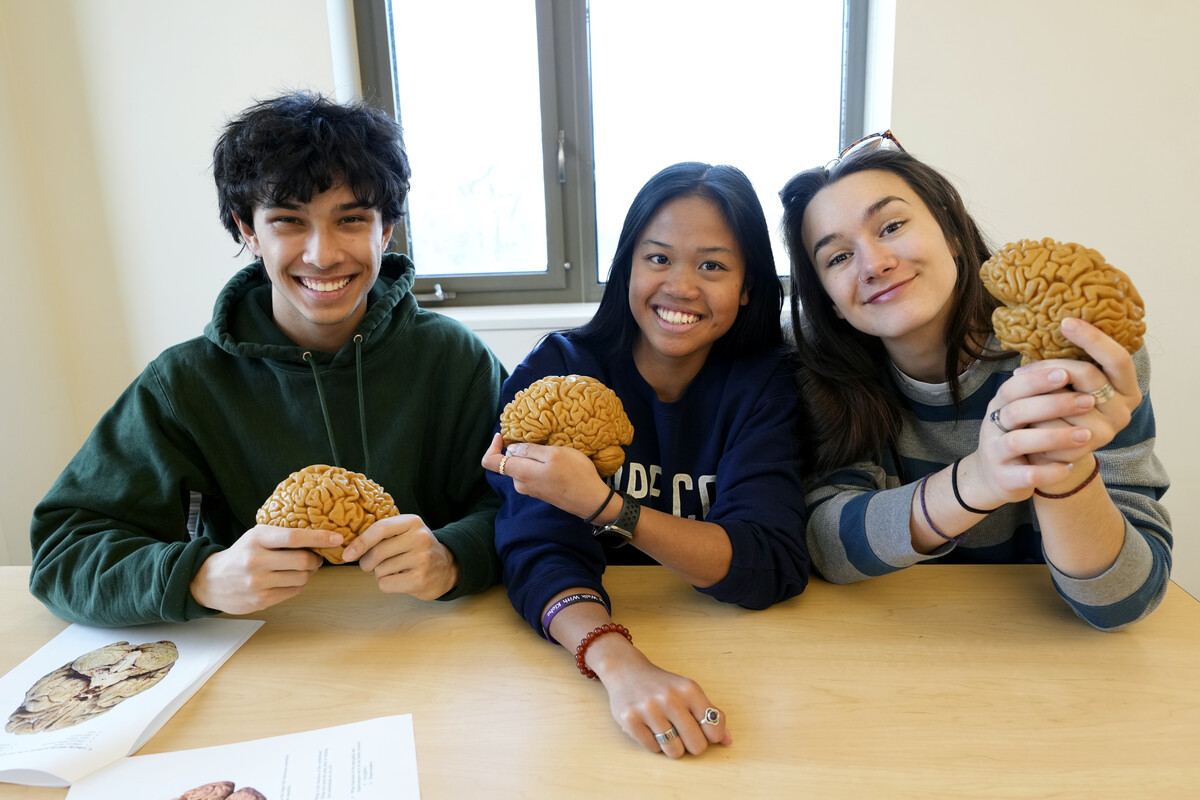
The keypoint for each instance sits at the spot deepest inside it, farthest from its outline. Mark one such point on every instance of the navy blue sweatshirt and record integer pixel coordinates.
(727, 452)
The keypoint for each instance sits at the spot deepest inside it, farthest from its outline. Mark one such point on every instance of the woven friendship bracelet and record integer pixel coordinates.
(929, 521)
(563, 602)
(586, 642)
(1077, 489)
(958, 497)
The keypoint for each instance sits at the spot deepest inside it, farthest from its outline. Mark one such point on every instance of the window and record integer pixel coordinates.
(530, 124)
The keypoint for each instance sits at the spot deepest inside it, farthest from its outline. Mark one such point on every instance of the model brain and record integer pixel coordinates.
(573, 411)
(1043, 282)
(328, 498)
(91, 685)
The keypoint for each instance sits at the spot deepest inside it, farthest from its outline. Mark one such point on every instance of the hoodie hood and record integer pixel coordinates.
(243, 325)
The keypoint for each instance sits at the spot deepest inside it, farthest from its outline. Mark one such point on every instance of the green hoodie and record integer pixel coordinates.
(227, 416)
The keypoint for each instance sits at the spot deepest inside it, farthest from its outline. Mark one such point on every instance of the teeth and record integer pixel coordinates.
(324, 286)
(676, 317)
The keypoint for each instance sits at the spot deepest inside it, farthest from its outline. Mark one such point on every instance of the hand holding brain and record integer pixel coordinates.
(573, 411)
(327, 498)
(1043, 282)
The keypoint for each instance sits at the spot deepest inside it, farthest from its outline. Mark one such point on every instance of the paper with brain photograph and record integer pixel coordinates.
(327, 498)
(92, 684)
(221, 790)
(571, 411)
(1041, 283)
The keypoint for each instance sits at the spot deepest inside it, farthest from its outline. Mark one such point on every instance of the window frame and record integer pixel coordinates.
(565, 91)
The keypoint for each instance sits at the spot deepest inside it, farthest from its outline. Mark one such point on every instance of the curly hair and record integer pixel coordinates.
(293, 146)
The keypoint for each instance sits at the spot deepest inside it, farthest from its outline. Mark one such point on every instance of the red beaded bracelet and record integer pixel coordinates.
(1078, 488)
(581, 651)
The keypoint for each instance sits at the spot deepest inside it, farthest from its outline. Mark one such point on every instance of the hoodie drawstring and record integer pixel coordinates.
(337, 459)
(362, 403)
(362, 412)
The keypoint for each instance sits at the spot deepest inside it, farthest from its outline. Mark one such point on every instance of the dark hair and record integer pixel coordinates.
(291, 147)
(843, 375)
(756, 326)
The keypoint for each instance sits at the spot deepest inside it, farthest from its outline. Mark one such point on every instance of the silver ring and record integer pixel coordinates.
(711, 717)
(663, 738)
(995, 418)
(503, 461)
(1104, 393)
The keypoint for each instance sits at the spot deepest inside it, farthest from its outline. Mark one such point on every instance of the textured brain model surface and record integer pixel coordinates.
(573, 411)
(1043, 282)
(328, 498)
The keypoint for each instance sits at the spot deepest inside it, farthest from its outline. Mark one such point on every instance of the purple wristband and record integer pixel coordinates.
(562, 603)
(929, 520)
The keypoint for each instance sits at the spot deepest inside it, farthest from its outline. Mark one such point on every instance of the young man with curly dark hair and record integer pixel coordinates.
(317, 353)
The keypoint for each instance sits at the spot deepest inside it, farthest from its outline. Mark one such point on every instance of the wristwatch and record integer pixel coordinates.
(620, 533)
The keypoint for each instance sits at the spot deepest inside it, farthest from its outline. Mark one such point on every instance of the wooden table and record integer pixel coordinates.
(939, 681)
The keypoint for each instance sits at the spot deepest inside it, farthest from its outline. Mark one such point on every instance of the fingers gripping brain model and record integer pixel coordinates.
(327, 498)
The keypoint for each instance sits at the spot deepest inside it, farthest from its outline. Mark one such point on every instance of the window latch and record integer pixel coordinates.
(562, 157)
(436, 296)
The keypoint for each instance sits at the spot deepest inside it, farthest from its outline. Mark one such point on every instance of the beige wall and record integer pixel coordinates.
(66, 350)
(1059, 118)
(1074, 119)
(108, 113)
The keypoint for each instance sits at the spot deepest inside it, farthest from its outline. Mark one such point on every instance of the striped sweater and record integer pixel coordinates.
(859, 515)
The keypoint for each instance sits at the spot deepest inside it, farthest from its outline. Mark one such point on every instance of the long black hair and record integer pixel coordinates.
(756, 327)
(843, 377)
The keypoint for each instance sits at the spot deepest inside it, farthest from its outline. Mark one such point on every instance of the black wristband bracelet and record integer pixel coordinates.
(958, 497)
(611, 491)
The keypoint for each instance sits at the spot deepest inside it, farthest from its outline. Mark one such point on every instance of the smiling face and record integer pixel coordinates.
(884, 262)
(685, 288)
(322, 258)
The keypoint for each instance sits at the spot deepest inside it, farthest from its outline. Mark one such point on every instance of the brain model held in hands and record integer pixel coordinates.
(572, 411)
(1043, 282)
(327, 498)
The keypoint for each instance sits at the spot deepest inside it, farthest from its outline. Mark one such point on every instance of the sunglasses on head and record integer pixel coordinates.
(879, 139)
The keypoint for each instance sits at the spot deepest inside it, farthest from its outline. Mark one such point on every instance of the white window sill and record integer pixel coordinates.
(512, 331)
(539, 316)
